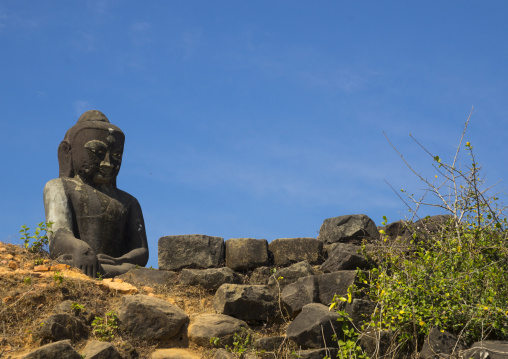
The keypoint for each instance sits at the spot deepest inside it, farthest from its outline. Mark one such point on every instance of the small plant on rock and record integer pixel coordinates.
(104, 328)
(40, 238)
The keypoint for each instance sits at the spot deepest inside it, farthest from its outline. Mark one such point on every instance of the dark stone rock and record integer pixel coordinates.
(318, 353)
(211, 278)
(488, 349)
(260, 276)
(439, 344)
(150, 318)
(60, 350)
(63, 326)
(246, 302)
(292, 250)
(207, 326)
(348, 229)
(150, 277)
(302, 292)
(246, 253)
(344, 256)
(316, 289)
(369, 343)
(425, 228)
(314, 327)
(190, 251)
(290, 274)
(100, 350)
(269, 344)
(96, 227)
(360, 311)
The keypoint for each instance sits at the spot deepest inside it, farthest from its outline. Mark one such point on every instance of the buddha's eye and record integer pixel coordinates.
(117, 155)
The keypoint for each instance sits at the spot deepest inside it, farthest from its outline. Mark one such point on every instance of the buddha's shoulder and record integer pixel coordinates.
(126, 197)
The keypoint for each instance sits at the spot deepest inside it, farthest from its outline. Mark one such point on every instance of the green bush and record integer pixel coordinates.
(453, 278)
(40, 238)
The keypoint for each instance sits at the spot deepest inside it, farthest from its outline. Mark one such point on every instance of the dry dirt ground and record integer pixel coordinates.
(31, 285)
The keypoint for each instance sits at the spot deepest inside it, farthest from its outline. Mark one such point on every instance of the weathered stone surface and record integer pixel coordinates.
(314, 327)
(286, 251)
(63, 326)
(149, 277)
(288, 275)
(190, 251)
(260, 276)
(348, 229)
(269, 344)
(60, 350)
(344, 256)
(491, 349)
(425, 228)
(439, 344)
(150, 318)
(246, 253)
(173, 354)
(211, 278)
(118, 285)
(100, 350)
(369, 343)
(96, 227)
(360, 311)
(317, 353)
(316, 289)
(206, 326)
(246, 302)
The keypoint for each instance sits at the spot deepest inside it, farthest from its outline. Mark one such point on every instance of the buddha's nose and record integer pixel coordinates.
(106, 161)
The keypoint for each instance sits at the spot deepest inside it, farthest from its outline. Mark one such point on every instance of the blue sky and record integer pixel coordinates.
(251, 119)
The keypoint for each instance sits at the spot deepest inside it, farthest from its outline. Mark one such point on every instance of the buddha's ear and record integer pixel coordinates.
(65, 159)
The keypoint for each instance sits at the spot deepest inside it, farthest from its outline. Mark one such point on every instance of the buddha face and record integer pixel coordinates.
(97, 155)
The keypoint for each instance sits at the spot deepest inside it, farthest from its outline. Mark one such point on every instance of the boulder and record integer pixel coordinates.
(60, 350)
(439, 344)
(425, 228)
(491, 349)
(260, 276)
(316, 289)
(173, 354)
(286, 251)
(63, 326)
(190, 251)
(244, 254)
(211, 278)
(149, 277)
(314, 327)
(269, 344)
(246, 302)
(100, 350)
(348, 229)
(288, 275)
(360, 311)
(344, 256)
(150, 318)
(207, 326)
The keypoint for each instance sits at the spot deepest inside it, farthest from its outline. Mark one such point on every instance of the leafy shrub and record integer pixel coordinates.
(453, 278)
(105, 328)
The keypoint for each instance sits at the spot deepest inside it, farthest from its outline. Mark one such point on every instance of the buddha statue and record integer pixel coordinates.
(96, 227)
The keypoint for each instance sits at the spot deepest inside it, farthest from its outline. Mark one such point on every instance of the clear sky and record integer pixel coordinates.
(251, 118)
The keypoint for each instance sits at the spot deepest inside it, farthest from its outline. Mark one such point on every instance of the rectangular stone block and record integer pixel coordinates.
(287, 251)
(246, 253)
(190, 251)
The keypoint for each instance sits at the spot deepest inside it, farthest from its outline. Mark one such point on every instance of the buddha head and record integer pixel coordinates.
(92, 150)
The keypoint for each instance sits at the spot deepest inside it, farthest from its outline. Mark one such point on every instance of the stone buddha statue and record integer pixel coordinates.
(96, 227)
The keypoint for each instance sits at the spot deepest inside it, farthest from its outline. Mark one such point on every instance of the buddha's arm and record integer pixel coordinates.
(136, 240)
(62, 242)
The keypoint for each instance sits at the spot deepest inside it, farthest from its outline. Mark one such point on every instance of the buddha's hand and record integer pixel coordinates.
(105, 259)
(85, 259)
